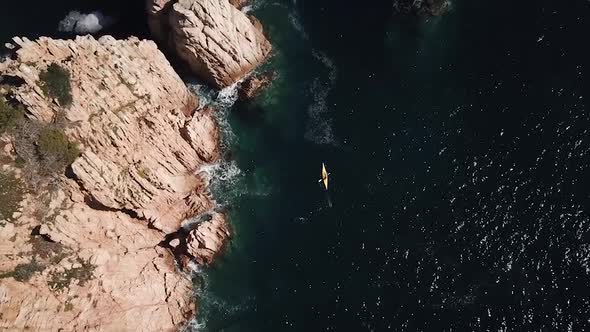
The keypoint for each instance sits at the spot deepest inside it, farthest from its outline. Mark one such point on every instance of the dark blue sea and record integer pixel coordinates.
(459, 155)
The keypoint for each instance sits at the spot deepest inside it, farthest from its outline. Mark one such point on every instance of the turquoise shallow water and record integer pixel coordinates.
(459, 154)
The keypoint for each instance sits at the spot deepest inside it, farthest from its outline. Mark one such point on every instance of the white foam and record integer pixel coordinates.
(227, 171)
(227, 96)
(255, 5)
(84, 23)
(319, 127)
(195, 326)
(209, 302)
(225, 179)
(296, 23)
(222, 101)
(206, 94)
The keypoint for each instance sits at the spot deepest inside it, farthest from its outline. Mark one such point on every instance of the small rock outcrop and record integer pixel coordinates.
(84, 252)
(254, 85)
(206, 240)
(421, 7)
(219, 42)
(239, 4)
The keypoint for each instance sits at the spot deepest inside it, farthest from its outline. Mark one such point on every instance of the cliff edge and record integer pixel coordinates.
(220, 44)
(85, 245)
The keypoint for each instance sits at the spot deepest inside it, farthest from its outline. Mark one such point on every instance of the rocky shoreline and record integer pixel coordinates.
(109, 148)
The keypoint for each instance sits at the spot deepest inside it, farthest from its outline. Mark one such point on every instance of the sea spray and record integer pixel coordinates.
(211, 305)
(255, 5)
(226, 184)
(221, 304)
(84, 23)
(225, 181)
(222, 100)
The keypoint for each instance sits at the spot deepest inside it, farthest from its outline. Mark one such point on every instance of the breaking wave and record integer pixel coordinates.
(225, 181)
(253, 6)
(212, 305)
(222, 100)
(84, 23)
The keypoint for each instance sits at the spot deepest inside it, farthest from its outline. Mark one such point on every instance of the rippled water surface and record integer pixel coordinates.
(458, 149)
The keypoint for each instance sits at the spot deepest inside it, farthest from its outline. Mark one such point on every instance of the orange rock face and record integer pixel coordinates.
(84, 253)
(219, 42)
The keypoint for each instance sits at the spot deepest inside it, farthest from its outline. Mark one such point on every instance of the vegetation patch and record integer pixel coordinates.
(58, 280)
(53, 145)
(68, 306)
(55, 83)
(43, 149)
(46, 249)
(23, 272)
(11, 194)
(9, 115)
(144, 173)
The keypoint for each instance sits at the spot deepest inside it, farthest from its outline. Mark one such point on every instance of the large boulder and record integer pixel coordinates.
(219, 42)
(254, 85)
(207, 239)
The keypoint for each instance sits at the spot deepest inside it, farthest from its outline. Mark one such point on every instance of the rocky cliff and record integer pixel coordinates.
(219, 43)
(87, 247)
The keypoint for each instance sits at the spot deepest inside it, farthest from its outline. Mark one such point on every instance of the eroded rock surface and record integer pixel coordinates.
(84, 253)
(207, 239)
(254, 85)
(219, 42)
(129, 108)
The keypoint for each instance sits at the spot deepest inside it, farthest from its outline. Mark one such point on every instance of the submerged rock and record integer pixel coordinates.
(94, 258)
(254, 85)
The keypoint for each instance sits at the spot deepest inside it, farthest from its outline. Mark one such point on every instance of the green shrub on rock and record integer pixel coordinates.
(59, 280)
(11, 194)
(53, 145)
(9, 115)
(55, 82)
(24, 272)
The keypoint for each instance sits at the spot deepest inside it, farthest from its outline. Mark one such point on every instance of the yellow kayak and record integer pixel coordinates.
(324, 176)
